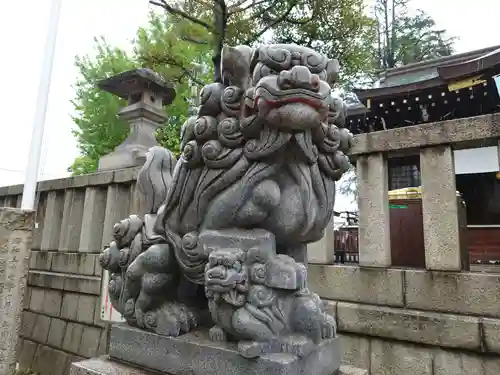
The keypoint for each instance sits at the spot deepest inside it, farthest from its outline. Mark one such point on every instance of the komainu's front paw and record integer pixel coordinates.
(328, 327)
(216, 333)
(173, 319)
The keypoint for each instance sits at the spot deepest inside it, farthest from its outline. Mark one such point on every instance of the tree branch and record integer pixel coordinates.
(220, 25)
(168, 60)
(189, 74)
(192, 40)
(304, 21)
(414, 43)
(178, 12)
(297, 22)
(291, 40)
(235, 8)
(265, 10)
(272, 24)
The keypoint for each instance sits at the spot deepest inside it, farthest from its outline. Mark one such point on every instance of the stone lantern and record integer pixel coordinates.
(147, 93)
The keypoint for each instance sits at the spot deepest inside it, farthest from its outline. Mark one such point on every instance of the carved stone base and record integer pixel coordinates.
(106, 366)
(195, 354)
(126, 157)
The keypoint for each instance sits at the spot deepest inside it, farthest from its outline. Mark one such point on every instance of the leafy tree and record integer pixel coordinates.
(241, 21)
(401, 38)
(340, 29)
(174, 48)
(179, 43)
(98, 128)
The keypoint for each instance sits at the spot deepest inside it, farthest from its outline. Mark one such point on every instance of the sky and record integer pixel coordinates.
(23, 28)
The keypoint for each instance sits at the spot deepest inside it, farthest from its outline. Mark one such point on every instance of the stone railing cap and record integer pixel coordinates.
(128, 175)
(460, 133)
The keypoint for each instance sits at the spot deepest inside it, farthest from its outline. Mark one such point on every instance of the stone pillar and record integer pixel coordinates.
(147, 93)
(322, 251)
(373, 206)
(498, 150)
(440, 209)
(15, 241)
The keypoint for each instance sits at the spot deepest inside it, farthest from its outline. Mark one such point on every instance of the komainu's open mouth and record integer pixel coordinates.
(310, 101)
(274, 98)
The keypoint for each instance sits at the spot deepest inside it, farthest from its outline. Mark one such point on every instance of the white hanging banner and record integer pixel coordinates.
(108, 313)
(497, 83)
(476, 160)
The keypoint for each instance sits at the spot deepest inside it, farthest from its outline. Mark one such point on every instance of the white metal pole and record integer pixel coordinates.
(32, 168)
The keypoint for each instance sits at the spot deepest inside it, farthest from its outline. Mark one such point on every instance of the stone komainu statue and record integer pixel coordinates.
(229, 222)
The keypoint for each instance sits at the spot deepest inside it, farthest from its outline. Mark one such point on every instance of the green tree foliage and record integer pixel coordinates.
(333, 25)
(338, 28)
(404, 37)
(174, 48)
(179, 43)
(184, 43)
(98, 129)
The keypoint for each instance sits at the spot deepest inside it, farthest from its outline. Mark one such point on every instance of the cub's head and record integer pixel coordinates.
(226, 277)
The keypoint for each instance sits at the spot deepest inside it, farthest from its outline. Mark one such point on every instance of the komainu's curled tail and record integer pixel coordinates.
(155, 177)
(144, 274)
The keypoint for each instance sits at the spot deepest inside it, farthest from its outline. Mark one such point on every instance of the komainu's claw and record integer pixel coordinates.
(216, 333)
(172, 319)
(328, 327)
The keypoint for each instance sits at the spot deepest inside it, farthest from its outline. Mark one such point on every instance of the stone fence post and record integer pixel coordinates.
(323, 251)
(373, 204)
(15, 241)
(443, 235)
(444, 216)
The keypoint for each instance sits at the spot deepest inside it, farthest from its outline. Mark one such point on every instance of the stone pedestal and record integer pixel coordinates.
(195, 354)
(15, 241)
(147, 93)
(107, 366)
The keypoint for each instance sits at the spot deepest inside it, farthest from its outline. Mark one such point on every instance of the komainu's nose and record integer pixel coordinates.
(299, 77)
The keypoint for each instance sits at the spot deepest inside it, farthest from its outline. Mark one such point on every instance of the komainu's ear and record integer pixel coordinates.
(235, 65)
(332, 71)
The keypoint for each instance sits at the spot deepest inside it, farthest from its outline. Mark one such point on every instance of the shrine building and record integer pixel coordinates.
(459, 86)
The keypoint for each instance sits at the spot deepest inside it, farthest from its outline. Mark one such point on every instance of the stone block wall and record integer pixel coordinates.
(439, 320)
(74, 219)
(442, 320)
(401, 321)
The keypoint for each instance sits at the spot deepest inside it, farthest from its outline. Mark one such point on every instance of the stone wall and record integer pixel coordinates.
(16, 230)
(74, 216)
(401, 321)
(441, 320)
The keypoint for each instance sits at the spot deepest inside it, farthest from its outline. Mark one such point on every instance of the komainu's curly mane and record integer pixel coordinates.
(254, 184)
(255, 133)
